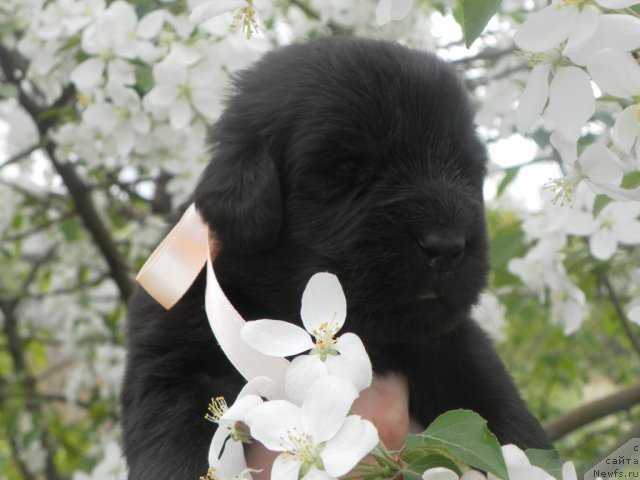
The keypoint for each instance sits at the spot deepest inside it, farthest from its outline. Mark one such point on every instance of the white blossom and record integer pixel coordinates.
(183, 88)
(323, 315)
(520, 468)
(212, 8)
(617, 223)
(490, 315)
(616, 73)
(390, 10)
(598, 168)
(226, 453)
(318, 439)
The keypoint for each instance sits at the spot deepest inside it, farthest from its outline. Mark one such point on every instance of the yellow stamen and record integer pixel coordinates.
(246, 18)
(211, 475)
(217, 407)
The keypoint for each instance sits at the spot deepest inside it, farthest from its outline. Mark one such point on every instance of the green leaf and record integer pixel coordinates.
(415, 469)
(510, 176)
(465, 435)
(631, 180)
(476, 15)
(506, 244)
(600, 202)
(548, 460)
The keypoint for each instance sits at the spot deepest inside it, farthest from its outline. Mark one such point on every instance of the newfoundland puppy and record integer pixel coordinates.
(351, 156)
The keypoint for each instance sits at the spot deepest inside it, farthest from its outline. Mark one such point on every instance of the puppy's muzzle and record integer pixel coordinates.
(443, 250)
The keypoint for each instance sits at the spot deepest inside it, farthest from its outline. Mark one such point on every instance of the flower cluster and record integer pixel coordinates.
(311, 428)
(585, 69)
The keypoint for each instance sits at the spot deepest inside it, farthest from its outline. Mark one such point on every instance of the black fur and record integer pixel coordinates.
(342, 155)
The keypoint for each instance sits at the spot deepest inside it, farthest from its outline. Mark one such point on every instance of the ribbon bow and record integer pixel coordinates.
(171, 270)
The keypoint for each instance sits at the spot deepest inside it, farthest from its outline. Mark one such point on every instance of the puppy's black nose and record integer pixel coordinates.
(443, 250)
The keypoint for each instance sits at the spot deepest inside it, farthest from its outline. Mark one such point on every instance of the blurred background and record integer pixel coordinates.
(104, 109)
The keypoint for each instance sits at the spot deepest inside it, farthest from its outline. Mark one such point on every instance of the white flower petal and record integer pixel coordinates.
(171, 70)
(261, 386)
(388, 10)
(323, 301)
(621, 32)
(210, 9)
(88, 74)
(160, 97)
(439, 473)
(583, 28)
(546, 28)
(353, 363)
(627, 233)
(121, 72)
(276, 338)
(626, 130)
(616, 73)
(326, 406)
(270, 423)
(141, 122)
(600, 165)
(102, 116)
(603, 244)
(125, 139)
(232, 461)
(285, 468)
(514, 456)
(615, 4)
(207, 103)
(571, 101)
(351, 443)
(151, 24)
(123, 14)
(180, 113)
(218, 441)
(569, 470)
(580, 223)
(616, 193)
(301, 374)
(568, 149)
(472, 475)
(316, 474)
(534, 97)
(239, 410)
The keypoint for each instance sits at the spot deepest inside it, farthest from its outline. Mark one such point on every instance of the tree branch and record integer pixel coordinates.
(87, 212)
(32, 403)
(622, 316)
(589, 412)
(79, 192)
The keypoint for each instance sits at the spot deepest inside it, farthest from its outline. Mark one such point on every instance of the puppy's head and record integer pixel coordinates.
(357, 157)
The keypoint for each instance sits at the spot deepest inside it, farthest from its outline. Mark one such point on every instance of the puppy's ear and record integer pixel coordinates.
(239, 197)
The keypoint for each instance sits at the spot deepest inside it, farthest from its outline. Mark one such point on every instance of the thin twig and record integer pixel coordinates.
(20, 155)
(488, 54)
(622, 316)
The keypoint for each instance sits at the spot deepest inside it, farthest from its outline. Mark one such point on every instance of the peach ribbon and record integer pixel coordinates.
(174, 266)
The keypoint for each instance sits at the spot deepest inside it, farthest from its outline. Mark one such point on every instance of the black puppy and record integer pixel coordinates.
(352, 156)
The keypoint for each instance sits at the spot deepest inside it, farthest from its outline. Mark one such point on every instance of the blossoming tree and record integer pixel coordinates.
(104, 108)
